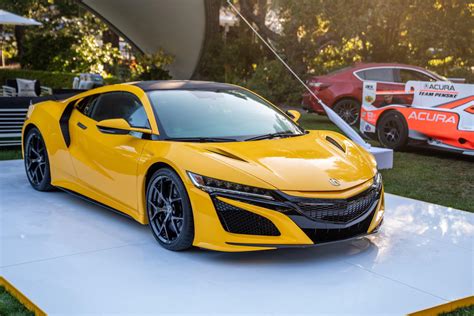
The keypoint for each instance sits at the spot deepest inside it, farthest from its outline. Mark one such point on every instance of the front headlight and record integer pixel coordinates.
(377, 181)
(211, 185)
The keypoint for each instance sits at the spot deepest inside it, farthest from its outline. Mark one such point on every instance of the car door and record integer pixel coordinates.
(106, 164)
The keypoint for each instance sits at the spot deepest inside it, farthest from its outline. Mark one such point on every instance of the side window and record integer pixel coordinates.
(85, 105)
(379, 74)
(361, 74)
(120, 105)
(407, 75)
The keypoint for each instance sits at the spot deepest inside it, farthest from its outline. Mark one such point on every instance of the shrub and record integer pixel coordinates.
(461, 73)
(49, 79)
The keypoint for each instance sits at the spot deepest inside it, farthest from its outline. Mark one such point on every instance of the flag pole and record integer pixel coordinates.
(336, 119)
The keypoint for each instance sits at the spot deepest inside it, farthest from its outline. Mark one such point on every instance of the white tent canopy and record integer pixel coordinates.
(7, 18)
(176, 26)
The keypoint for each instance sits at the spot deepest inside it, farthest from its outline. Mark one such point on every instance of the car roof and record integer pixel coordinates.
(369, 65)
(182, 85)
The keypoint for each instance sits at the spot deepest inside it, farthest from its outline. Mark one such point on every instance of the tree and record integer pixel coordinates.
(69, 38)
(20, 7)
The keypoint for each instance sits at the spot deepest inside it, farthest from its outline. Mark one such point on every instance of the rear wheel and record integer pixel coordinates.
(36, 161)
(392, 130)
(169, 211)
(348, 110)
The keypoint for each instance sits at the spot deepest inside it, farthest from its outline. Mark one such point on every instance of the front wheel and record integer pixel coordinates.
(348, 110)
(392, 130)
(36, 161)
(169, 211)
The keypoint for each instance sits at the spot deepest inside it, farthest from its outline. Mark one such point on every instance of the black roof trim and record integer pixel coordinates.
(182, 85)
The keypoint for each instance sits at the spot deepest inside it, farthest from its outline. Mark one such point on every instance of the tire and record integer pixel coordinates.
(169, 211)
(392, 130)
(348, 110)
(36, 161)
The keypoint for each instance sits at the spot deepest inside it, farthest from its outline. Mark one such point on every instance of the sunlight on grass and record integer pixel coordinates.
(11, 306)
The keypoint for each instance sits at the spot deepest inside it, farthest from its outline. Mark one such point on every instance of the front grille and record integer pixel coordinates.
(335, 234)
(239, 221)
(338, 211)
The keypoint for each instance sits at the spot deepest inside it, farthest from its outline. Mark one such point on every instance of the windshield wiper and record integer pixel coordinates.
(273, 135)
(201, 139)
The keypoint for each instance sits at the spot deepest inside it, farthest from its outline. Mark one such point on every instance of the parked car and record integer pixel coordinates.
(205, 164)
(342, 89)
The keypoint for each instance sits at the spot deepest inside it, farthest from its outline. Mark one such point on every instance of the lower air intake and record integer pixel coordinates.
(335, 234)
(238, 221)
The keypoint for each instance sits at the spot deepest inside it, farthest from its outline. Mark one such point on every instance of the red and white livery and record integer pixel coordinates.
(441, 115)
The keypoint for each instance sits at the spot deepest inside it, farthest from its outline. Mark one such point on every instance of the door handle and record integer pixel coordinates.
(81, 125)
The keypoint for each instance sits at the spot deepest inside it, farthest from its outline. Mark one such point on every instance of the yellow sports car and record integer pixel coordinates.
(206, 164)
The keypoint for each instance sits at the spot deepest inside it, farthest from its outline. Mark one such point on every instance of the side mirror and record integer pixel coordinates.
(295, 115)
(119, 127)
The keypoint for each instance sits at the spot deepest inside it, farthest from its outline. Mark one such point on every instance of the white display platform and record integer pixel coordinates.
(71, 257)
(383, 156)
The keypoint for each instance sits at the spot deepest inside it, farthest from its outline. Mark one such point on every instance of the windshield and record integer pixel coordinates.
(225, 114)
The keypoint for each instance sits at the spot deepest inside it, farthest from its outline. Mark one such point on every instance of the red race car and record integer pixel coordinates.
(342, 89)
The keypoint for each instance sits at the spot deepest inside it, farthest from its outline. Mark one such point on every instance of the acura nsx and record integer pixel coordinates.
(204, 164)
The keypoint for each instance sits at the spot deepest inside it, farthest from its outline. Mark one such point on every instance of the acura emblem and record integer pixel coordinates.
(334, 182)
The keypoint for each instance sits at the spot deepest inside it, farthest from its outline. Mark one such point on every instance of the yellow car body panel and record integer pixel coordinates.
(113, 170)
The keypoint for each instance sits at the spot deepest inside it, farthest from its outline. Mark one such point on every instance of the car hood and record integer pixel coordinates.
(302, 163)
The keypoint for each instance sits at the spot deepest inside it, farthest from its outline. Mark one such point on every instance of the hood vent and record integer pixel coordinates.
(224, 153)
(335, 143)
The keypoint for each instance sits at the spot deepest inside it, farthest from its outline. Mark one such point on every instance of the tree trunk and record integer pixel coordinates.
(211, 35)
(112, 38)
(19, 35)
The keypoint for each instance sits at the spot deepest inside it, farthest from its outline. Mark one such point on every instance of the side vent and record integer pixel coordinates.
(335, 143)
(64, 122)
(225, 154)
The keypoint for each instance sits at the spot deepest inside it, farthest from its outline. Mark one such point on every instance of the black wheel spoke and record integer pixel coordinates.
(156, 211)
(162, 226)
(173, 200)
(165, 230)
(41, 170)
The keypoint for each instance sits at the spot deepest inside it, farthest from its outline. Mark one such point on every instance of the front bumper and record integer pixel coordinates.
(275, 225)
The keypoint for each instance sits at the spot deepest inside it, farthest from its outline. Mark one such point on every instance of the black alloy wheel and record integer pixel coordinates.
(392, 130)
(169, 211)
(36, 161)
(348, 110)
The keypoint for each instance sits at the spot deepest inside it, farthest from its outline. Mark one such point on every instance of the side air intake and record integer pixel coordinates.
(335, 143)
(225, 154)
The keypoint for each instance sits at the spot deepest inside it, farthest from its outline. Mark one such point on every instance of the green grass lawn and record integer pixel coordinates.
(427, 175)
(11, 306)
(10, 153)
(463, 311)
